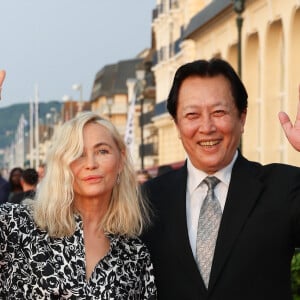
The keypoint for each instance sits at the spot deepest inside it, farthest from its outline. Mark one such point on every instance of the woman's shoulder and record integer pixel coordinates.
(15, 212)
(16, 225)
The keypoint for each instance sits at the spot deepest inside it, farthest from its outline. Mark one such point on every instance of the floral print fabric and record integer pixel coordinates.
(36, 266)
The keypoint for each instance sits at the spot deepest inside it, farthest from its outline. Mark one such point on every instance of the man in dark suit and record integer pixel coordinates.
(259, 205)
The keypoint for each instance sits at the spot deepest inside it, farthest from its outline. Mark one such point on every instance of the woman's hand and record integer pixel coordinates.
(2, 77)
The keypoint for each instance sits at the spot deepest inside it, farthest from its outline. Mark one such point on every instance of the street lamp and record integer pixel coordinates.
(140, 87)
(48, 125)
(67, 101)
(239, 7)
(78, 87)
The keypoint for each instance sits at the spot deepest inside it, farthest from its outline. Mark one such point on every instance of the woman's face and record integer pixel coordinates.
(16, 177)
(96, 170)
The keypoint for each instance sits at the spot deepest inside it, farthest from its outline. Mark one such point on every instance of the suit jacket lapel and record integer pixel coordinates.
(244, 190)
(181, 241)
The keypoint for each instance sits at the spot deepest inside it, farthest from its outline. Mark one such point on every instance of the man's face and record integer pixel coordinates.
(208, 122)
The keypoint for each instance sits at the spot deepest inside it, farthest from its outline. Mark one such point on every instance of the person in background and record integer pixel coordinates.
(223, 227)
(78, 238)
(4, 186)
(29, 181)
(14, 180)
(41, 171)
(142, 176)
(4, 189)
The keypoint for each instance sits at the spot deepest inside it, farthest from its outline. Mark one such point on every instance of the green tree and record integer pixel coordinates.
(295, 276)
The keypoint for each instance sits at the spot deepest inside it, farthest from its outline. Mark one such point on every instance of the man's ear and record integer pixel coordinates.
(243, 119)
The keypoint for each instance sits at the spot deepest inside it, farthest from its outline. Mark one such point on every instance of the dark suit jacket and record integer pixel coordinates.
(17, 198)
(4, 190)
(259, 230)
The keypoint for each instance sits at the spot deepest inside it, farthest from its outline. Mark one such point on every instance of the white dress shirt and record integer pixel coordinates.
(196, 192)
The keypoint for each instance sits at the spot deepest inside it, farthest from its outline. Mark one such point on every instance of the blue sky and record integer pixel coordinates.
(56, 43)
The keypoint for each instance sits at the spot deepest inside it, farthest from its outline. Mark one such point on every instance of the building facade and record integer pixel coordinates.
(115, 87)
(186, 30)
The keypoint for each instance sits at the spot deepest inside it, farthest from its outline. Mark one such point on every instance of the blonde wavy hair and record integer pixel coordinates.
(53, 208)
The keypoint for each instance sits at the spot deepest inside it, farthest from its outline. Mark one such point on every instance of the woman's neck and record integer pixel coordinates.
(91, 210)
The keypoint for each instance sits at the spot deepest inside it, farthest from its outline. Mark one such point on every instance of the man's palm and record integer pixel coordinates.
(2, 77)
(292, 131)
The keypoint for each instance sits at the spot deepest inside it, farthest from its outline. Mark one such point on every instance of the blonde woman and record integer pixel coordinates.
(78, 238)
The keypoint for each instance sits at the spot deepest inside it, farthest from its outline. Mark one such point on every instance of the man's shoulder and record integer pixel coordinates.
(286, 173)
(281, 168)
(164, 188)
(168, 178)
(17, 198)
(273, 173)
(257, 167)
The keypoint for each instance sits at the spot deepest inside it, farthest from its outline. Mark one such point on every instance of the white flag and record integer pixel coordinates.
(129, 132)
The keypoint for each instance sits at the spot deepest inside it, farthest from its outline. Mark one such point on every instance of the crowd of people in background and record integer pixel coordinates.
(21, 184)
(28, 180)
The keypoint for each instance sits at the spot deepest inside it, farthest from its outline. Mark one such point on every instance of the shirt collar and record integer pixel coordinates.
(196, 176)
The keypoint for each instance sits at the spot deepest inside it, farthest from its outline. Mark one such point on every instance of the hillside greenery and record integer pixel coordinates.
(10, 115)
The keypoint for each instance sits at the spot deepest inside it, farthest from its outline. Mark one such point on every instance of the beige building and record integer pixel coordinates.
(115, 87)
(186, 30)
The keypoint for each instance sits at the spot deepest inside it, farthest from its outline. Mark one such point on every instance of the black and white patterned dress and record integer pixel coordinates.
(35, 266)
